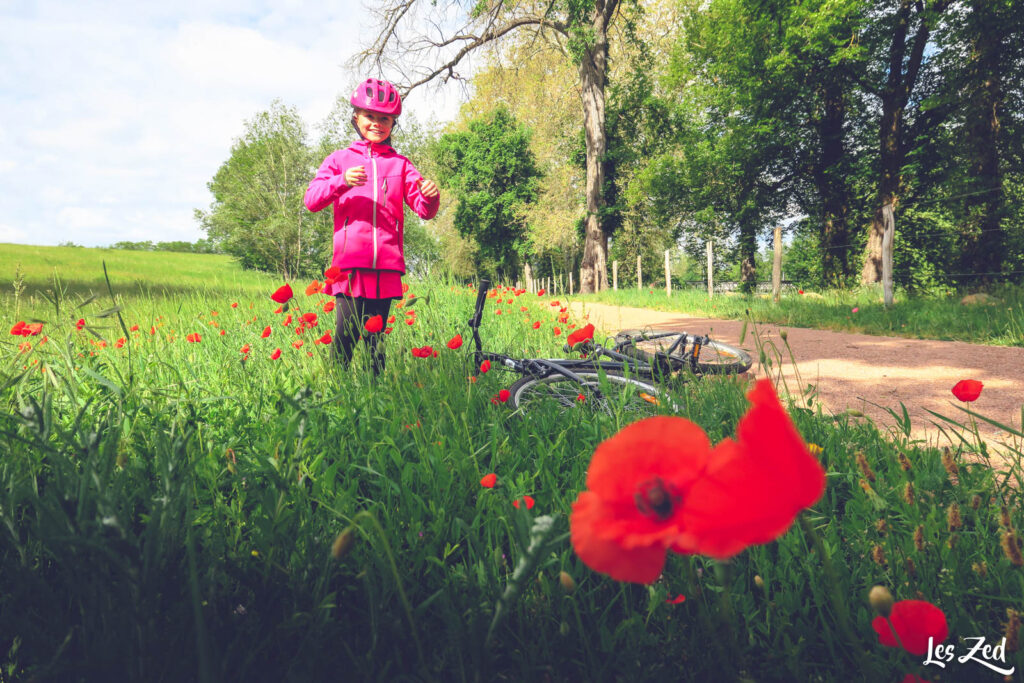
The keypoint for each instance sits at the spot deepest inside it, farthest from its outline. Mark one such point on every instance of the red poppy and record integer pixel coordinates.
(676, 600)
(119, 344)
(276, 354)
(425, 352)
(524, 309)
(18, 327)
(234, 304)
(967, 390)
(489, 480)
(313, 288)
(329, 306)
(245, 349)
(298, 343)
(914, 621)
(80, 324)
(287, 320)
(581, 335)
(135, 328)
(283, 293)
(333, 273)
(222, 333)
(391, 319)
(326, 339)
(485, 366)
(194, 337)
(556, 303)
(503, 395)
(557, 331)
(152, 329)
(31, 329)
(310, 319)
(455, 342)
(536, 325)
(266, 332)
(279, 309)
(410, 321)
(799, 291)
(581, 398)
(528, 500)
(658, 485)
(540, 293)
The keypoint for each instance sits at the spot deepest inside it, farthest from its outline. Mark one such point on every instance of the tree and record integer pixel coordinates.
(493, 174)
(905, 33)
(257, 214)
(578, 28)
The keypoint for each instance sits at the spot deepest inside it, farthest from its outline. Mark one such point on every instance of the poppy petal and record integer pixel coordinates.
(637, 565)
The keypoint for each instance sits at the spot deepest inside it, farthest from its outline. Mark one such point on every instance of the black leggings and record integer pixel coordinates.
(352, 313)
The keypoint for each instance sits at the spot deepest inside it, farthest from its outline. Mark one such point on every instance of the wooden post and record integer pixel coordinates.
(615, 275)
(777, 265)
(572, 286)
(639, 274)
(711, 271)
(528, 276)
(887, 239)
(668, 275)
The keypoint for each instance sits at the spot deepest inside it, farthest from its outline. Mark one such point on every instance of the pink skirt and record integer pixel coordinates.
(368, 284)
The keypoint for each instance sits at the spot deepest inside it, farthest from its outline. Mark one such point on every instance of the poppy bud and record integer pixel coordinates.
(567, 582)
(758, 581)
(343, 543)
(784, 335)
(881, 600)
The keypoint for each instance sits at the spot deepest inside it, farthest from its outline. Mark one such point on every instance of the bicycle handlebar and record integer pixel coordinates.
(481, 297)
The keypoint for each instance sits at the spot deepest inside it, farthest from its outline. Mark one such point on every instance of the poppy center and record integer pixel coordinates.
(655, 498)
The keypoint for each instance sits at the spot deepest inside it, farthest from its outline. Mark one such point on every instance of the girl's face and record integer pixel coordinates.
(373, 126)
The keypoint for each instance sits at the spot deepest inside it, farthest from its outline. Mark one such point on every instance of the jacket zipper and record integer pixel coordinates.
(373, 162)
(344, 238)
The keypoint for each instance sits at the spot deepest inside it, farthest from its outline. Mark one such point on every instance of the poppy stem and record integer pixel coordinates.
(836, 595)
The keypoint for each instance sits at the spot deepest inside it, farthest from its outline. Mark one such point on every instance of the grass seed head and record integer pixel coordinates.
(1012, 632)
(953, 519)
(878, 555)
(343, 543)
(911, 567)
(950, 464)
(904, 461)
(980, 568)
(908, 493)
(1011, 547)
(882, 527)
(919, 538)
(865, 469)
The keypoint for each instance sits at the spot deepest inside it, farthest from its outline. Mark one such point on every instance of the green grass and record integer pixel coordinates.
(999, 323)
(168, 510)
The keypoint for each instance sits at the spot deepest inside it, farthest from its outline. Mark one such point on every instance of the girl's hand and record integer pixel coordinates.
(428, 188)
(355, 176)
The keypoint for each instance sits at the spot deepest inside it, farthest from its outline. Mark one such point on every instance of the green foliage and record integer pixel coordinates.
(257, 214)
(200, 246)
(492, 175)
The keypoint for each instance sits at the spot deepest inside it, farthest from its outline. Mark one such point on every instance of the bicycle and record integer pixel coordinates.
(624, 381)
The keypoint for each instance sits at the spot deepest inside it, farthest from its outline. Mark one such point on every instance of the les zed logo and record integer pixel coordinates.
(981, 653)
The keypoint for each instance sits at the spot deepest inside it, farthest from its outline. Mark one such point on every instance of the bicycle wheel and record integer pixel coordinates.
(630, 394)
(715, 357)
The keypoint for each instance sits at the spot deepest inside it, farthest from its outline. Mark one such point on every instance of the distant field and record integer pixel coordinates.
(80, 271)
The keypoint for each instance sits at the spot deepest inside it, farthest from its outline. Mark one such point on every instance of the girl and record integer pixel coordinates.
(366, 184)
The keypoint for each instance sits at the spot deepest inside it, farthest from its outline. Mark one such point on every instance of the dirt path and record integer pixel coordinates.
(855, 371)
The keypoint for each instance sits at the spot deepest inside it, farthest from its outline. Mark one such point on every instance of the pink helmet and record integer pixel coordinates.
(379, 96)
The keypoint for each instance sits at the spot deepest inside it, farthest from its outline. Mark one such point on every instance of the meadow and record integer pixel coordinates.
(186, 496)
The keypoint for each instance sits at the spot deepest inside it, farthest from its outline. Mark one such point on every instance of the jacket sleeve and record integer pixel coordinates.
(424, 208)
(327, 186)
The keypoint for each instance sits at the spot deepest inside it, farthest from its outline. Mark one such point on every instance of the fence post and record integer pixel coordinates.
(711, 270)
(528, 276)
(572, 287)
(639, 274)
(615, 275)
(777, 265)
(668, 275)
(887, 239)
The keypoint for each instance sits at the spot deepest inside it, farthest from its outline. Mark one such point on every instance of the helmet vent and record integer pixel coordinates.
(369, 94)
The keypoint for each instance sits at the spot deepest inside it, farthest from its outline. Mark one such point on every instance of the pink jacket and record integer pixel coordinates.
(368, 219)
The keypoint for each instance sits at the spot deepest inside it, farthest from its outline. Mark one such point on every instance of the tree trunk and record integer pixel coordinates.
(983, 248)
(831, 184)
(593, 75)
(903, 70)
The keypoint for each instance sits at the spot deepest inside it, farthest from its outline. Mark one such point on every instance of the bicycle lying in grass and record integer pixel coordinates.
(631, 378)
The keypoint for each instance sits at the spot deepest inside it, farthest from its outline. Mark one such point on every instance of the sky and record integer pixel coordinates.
(114, 116)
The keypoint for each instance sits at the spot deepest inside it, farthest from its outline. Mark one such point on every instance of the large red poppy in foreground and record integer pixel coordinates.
(658, 485)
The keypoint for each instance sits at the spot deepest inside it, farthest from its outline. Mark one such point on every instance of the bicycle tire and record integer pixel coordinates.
(715, 357)
(642, 397)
